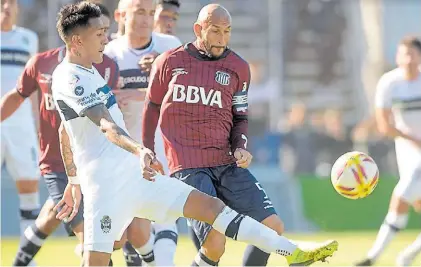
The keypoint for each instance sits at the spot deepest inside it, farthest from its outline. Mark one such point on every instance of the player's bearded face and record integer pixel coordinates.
(216, 38)
(408, 57)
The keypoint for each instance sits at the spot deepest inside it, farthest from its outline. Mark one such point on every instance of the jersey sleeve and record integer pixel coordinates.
(158, 80)
(383, 97)
(239, 131)
(27, 82)
(77, 95)
(240, 98)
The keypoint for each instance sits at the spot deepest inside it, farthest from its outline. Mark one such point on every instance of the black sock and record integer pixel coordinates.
(194, 238)
(131, 256)
(31, 243)
(255, 257)
(202, 260)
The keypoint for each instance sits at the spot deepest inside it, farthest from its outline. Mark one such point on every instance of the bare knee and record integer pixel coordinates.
(275, 223)
(139, 232)
(399, 205)
(27, 186)
(214, 246)
(95, 258)
(202, 207)
(46, 221)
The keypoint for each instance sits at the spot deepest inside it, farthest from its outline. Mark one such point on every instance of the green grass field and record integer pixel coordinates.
(352, 246)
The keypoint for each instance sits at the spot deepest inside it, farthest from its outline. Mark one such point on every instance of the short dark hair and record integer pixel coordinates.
(104, 10)
(73, 16)
(170, 2)
(411, 41)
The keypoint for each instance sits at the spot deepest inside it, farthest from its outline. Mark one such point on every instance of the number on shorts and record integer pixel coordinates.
(266, 198)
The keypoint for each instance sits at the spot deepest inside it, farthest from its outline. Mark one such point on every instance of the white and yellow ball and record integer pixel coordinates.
(355, 175)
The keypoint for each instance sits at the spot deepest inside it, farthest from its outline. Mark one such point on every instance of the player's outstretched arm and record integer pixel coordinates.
(67, 153)
(9, 103)
(68, 206)
(100, 115)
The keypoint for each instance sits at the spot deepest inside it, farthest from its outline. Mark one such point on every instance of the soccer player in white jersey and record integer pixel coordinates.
(111, 164)
(18, 132)
(398, 114)
(139, 42)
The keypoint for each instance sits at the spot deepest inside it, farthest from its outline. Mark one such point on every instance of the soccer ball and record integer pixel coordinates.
(354, 175)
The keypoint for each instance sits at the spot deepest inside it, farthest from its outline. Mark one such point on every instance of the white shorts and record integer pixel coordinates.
(409, 165)
(106, 218)
(19, 152)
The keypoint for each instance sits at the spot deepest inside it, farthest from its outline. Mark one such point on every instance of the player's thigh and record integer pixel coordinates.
(201, 179)
(139, 232)
(21, 158)
(56, 183)
(408, 189)
(240, 190)
(162, 200)
(106, 218)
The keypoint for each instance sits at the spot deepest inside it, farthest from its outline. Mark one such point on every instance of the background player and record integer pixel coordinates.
(140, 40)
(37, 77)
(166, 16)
(201, 92)
(18, 133)
(107, 159)
(398, 114)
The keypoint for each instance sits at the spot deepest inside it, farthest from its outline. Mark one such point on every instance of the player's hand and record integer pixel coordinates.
(149, 164)
(243, 157)
(69, 204)
(145, 63)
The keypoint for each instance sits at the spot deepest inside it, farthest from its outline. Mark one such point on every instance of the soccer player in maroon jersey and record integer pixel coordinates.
(37, 78)
(198, 92)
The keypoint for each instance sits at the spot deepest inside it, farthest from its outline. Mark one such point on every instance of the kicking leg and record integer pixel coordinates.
(239, 227)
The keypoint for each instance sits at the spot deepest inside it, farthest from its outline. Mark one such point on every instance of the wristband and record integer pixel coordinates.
(73, 180)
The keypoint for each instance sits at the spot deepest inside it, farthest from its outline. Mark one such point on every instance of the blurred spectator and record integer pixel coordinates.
(300, 143)
(333, 143)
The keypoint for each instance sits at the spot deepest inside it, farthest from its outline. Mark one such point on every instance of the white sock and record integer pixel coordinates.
(146, 251)
(165, 243)
(29, 205)
(414, 249)
(391, 225)
(245, 229)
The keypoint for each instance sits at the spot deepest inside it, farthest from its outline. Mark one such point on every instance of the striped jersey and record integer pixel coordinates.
(17, 47)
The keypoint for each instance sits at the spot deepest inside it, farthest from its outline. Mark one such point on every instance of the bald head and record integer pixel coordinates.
(213, 29)
(213, 14)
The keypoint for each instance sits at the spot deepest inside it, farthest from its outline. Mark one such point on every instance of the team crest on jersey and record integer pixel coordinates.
(106, 224)
(222, 78)
(79, 90)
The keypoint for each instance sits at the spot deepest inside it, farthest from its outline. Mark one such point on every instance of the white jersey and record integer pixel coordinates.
(99, 162)
(403, 97)
(17, 47)
(133, 78)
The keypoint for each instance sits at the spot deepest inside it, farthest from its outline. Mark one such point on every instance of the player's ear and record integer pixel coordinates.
(76, 40)
(197, 28)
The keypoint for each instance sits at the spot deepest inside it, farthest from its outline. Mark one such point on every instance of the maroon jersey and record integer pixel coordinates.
(203, 107)
(37, 76)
